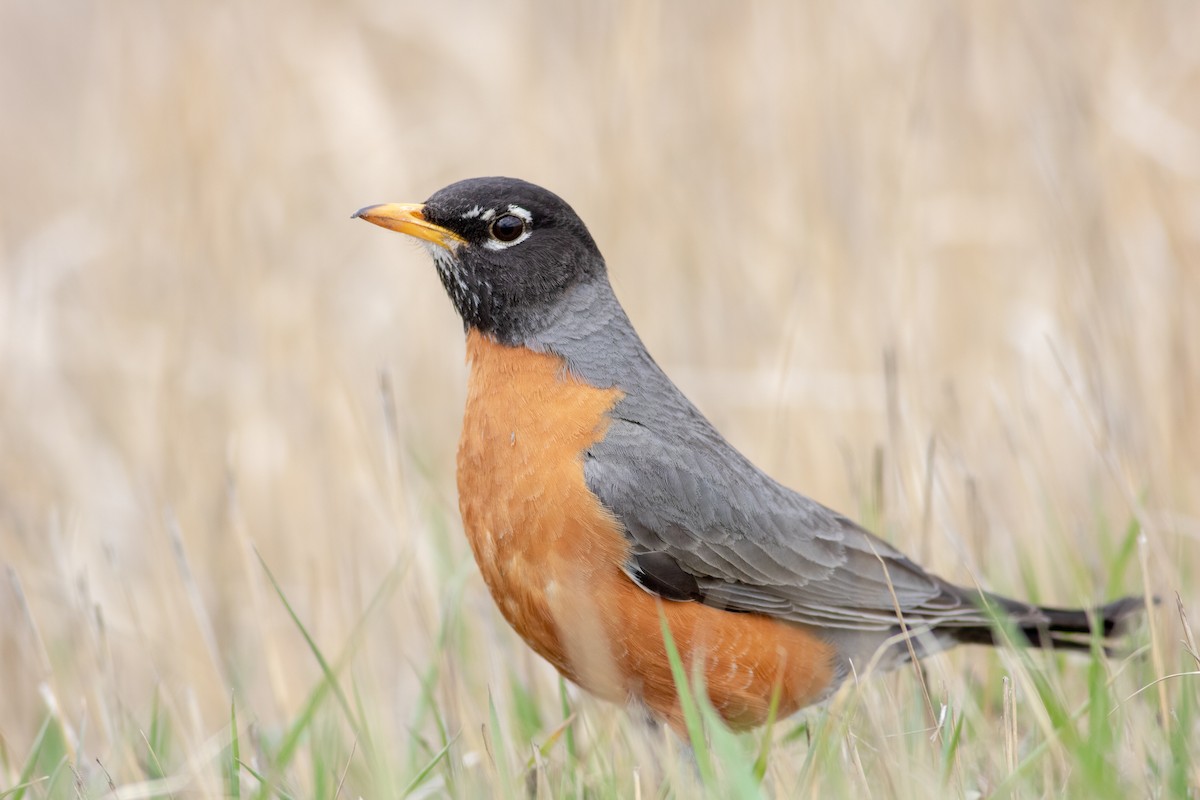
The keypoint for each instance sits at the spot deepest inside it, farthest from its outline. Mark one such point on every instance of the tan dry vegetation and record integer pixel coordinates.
(1001, 199)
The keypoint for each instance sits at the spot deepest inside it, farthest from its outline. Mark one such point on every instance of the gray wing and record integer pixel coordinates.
(744, 542)
(706, 524)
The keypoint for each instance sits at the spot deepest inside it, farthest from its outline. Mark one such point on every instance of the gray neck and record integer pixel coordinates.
(588, 328)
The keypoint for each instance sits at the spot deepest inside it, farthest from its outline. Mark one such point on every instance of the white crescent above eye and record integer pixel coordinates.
(516, 211)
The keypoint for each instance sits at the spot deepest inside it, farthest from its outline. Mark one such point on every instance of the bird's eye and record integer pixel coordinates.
(508, 228)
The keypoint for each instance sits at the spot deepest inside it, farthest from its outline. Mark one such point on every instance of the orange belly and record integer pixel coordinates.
(551, 555)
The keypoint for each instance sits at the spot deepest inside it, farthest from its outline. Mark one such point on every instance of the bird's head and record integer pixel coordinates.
(506, 250)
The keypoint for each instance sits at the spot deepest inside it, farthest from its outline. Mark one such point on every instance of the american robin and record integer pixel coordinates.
(599, 501)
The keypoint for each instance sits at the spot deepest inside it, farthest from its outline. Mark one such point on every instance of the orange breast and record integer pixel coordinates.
(551, 555)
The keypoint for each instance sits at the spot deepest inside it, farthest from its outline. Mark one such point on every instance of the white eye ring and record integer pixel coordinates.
(516, 211)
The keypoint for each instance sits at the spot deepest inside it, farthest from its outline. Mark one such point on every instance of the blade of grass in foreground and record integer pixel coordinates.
(499, 753)
(39, 741)
(528, 717)
(570, 770)
(572, 754)
(158, 738)
(426, 770)
(330, 678)
(263, 782)
(1063, 735)
(234, 789)
(1095, 752)
(1119, 563)
(427, 704)
(687, 704)
(764, 751)
(551, 740)
(381, 764)
(950, 746)
(700, 718)
(19, 789)
(737, 766)
(291, 739)
(1179, 768)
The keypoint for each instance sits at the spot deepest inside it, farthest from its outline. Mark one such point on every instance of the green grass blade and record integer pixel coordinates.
(950, 745)
(39, 741)
(1119, 564)
(565, 702)
(19, 789)
(428, 680)
(498, 750)
(427, 770)
(292, 738)
(529, 718)
(768, 737)
(234, 789)
(736, 773)
(687, 704)
(326, 670)
(263, 783)
(300, 726)
(157, 739)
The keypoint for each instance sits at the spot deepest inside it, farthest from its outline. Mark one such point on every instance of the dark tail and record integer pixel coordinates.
(1059, 628)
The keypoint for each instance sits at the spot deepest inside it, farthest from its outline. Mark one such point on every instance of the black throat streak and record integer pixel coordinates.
(509, 305)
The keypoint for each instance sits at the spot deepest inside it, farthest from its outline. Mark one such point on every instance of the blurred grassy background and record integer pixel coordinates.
(936, 264)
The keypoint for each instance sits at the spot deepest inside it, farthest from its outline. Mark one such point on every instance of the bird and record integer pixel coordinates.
(602, 506)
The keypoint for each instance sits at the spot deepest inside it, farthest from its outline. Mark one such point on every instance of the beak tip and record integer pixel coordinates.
(358, 214)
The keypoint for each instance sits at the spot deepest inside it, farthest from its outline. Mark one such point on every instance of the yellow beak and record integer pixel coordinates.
(409, 218)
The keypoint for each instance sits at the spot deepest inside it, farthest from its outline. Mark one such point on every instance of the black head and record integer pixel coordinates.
(506, 250)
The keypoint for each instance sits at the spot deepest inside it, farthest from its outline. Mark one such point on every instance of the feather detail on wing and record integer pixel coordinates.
(700, 507)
